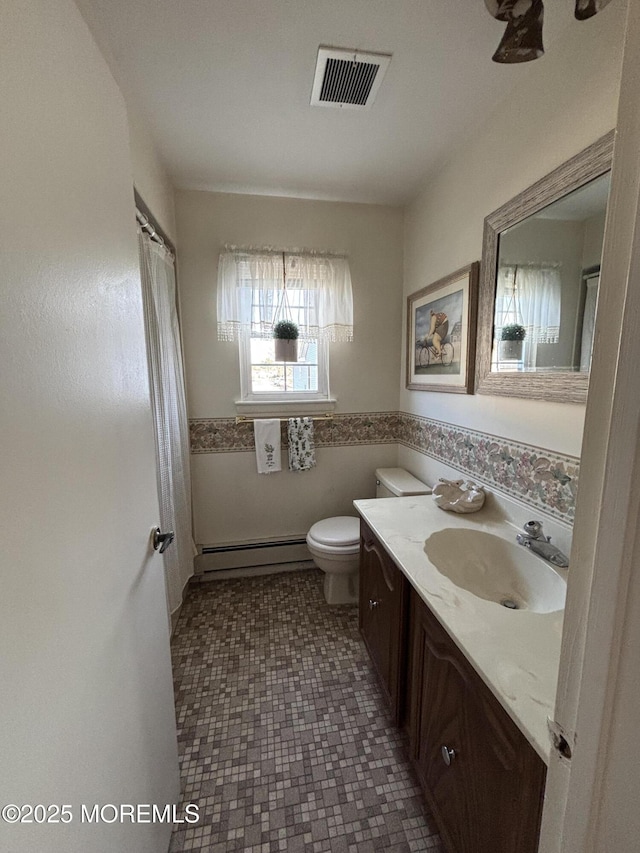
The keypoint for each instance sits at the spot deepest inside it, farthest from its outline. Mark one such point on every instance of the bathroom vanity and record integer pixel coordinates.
(473, 682)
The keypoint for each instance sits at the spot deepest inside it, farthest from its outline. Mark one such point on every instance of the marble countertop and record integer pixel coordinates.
(516, 653)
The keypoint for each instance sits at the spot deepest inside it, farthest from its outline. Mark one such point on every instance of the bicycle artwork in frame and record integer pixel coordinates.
(441, 333)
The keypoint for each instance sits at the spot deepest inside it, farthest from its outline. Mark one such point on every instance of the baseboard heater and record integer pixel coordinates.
(240, 555)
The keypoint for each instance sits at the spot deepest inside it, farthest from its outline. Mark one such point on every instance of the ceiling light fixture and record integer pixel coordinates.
(522, 39)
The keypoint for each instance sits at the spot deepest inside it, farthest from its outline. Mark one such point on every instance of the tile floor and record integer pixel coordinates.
(284, 740)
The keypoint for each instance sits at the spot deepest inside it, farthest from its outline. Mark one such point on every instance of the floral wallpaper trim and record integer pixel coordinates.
(542, 478)
(223, 435)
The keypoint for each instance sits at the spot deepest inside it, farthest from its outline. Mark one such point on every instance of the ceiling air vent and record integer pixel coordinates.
(347, 78)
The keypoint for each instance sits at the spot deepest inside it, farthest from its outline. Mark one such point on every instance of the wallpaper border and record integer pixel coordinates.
(223, 435)
(540, 477)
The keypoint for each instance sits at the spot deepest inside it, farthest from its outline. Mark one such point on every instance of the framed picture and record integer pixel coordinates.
(441, 333)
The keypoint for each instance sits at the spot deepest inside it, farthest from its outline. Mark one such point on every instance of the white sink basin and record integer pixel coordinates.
(497, 570)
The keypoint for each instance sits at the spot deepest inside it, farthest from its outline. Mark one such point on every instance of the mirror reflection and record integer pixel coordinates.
(547, 285)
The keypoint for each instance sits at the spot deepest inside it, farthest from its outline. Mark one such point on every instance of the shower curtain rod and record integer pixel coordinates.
(148, 226)
(147, 222)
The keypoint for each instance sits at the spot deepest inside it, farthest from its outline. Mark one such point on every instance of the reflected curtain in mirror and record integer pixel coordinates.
(528, 295)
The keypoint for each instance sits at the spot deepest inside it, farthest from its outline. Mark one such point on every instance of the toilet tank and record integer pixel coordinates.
(397, 483)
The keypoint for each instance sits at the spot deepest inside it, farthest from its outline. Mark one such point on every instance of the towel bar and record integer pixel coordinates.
(241, 419)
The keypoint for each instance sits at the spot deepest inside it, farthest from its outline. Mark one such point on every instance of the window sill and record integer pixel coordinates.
(285, 408)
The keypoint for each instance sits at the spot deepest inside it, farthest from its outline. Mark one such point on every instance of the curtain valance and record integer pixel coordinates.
(257, 288)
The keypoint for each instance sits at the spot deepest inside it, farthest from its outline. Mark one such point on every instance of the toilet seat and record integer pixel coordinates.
(332, 551)
(338, 535)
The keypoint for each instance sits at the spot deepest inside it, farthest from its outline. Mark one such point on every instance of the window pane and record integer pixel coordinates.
(271, 377)
(305, 378)
(289, 377)
(262, 351)
(267, 378)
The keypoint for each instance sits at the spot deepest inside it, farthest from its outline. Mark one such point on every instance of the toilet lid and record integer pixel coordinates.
(341, 530)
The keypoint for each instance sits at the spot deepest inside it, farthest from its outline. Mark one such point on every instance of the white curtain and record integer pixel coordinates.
(169, 412)
(257, 288)
(530, 295)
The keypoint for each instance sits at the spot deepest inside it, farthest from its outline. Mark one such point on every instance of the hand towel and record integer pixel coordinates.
(267, 438)
(302, 452)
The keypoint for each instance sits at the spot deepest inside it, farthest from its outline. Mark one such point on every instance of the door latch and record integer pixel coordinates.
(161, 541)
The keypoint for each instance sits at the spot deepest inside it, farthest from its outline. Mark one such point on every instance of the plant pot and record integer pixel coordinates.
(286, 350)
(511, 350)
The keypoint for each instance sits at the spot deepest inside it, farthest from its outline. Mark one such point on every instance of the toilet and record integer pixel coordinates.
(334, 543)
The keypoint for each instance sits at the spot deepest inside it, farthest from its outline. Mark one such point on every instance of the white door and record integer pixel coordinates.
(86, 702)
(591, 802)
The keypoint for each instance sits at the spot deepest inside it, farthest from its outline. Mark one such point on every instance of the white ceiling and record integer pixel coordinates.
(583, 203)
(224, 86)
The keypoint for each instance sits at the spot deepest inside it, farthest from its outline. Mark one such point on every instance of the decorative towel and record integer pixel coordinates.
(267, 437)
(302, 451)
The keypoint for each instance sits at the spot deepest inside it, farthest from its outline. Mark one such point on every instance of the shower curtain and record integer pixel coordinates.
(166, 379)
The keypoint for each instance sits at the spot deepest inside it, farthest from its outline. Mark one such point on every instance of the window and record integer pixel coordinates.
(257, 289)
(265, 379)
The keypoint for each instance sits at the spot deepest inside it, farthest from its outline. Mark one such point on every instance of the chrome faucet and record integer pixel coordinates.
(534, 538)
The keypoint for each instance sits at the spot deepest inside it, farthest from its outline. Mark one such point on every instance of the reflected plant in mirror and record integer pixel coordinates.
(540, 278)
(511, 339)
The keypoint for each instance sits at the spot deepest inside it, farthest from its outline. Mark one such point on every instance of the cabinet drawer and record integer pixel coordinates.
(384, 595)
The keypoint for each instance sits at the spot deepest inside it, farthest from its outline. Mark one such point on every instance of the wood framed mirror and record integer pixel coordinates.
(538, 282)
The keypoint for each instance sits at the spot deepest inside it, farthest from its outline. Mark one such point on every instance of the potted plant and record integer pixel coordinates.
(286, 334)
(511, 340)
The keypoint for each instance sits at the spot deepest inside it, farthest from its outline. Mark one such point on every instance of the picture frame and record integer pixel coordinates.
(441, 333)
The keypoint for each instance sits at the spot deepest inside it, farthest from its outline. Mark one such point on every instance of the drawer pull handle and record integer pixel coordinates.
(448, 755)
(373, 603)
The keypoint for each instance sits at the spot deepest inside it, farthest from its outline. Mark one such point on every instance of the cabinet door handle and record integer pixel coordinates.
(373, 603)
(448, 755)
(370, 546)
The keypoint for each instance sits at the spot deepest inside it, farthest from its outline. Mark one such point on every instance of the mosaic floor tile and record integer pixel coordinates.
(284, 738)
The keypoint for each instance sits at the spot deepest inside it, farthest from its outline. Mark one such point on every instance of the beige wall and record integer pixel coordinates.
(593, 237)
(560, 105)
(149, 174)
(230, 500)
(364, 374)
(233, 503)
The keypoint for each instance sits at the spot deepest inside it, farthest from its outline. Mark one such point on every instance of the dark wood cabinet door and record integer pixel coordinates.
(383, 617)
(482, 779)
